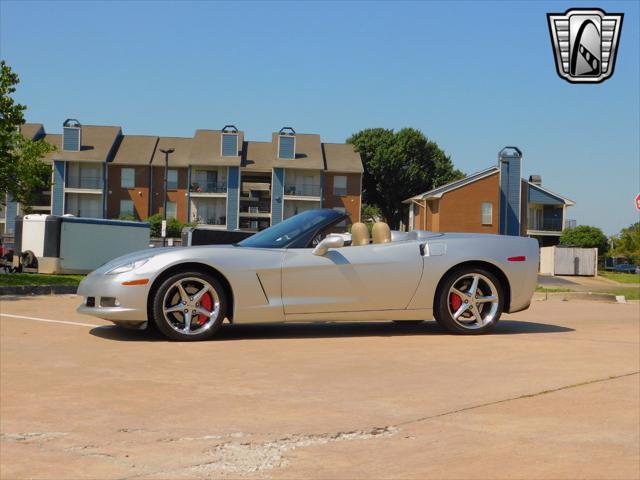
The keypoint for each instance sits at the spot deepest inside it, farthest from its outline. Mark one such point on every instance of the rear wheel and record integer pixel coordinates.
(189, 306)
(469, 302)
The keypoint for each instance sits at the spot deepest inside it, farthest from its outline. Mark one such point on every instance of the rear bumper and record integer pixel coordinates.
(523, 278)
(519, 308)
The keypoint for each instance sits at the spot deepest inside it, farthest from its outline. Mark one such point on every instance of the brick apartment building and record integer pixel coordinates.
(216, 177)
(495, 200)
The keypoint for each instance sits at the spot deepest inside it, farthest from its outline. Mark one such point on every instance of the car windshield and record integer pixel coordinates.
(287, 232)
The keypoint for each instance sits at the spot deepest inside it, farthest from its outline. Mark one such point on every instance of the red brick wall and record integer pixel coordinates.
(460, 210)
(351, 202)
(139, 194)
(179, 196)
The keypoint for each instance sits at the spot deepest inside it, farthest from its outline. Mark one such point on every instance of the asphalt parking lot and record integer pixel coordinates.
(555, 393)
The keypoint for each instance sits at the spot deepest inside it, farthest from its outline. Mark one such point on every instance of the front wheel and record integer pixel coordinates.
(469, 302)
(189, 306)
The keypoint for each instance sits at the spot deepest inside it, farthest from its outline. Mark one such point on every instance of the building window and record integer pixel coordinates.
(171, 210)
(84, 175)
(83, 205)
(127, 208)
(343, 223)
(287, 147)
(340, 185)
(128, 178)
(172, 179)
(487, 213)
(206, 181)
(229, 144)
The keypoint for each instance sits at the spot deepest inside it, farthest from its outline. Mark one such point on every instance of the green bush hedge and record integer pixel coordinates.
(174, 227)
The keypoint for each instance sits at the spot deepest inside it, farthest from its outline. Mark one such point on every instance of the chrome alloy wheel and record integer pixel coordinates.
(190, 306)
(473, 301)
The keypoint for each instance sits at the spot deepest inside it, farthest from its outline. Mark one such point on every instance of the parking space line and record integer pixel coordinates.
(48, 320)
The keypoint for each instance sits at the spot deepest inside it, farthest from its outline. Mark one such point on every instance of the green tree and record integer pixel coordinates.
(370, 213)
(398, 165)
(627, 243)
(22, 173)
(585, 236)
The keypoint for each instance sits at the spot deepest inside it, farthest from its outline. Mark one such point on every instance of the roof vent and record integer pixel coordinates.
(287, 143)
(535, 179)
(71, 135)
(229, 144)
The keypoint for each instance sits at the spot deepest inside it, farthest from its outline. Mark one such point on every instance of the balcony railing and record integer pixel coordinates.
(204, 220)
(570, 223)
(547, 225)
(263, 208)
(208, 187)
(84, 182)
(253, 225)
(302, 190)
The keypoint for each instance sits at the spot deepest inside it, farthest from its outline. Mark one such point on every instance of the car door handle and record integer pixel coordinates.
(422, 247)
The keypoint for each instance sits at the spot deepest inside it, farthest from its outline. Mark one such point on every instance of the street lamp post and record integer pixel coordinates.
(166, 152)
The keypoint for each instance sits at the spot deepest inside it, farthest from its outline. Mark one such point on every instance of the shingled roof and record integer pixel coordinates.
(99, 144)
(136, 150)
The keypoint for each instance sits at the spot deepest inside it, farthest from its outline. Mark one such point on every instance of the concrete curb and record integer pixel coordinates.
(37, 289)
(565, 296)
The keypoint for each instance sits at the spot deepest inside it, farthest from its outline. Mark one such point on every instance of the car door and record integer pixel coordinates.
(348, 279)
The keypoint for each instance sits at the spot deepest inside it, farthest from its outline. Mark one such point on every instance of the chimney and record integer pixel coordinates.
(287, 143)
(510, 163)
(229, 143)
(71, 135)
(535, 179)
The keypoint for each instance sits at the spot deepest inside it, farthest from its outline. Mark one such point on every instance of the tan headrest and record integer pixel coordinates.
(381, 233)
(359, 234)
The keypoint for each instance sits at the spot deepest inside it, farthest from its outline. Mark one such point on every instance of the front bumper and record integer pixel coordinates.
(132, 299)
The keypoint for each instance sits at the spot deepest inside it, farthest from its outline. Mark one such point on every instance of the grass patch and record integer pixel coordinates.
(29, 279)
(629, 293)
(621, 277)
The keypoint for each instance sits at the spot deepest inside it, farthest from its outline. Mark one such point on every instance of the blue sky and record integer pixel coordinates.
(473, 76)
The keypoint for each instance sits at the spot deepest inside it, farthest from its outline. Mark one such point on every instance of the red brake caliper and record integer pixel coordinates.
(455, 302)
(206, 302)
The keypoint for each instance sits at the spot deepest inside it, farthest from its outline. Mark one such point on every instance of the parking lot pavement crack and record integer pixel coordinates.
(31, 437)
(520, 397)
(247, 457)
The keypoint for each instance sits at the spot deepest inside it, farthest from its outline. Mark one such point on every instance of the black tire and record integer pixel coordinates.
(164, 321)
(408, 322)
(443, 306)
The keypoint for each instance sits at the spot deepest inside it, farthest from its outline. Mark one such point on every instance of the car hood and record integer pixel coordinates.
(159, 253)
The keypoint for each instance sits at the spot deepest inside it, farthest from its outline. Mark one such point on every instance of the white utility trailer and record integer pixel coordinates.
(67, 244)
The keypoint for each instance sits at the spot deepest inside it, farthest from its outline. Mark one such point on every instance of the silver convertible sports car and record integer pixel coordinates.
(304, 270)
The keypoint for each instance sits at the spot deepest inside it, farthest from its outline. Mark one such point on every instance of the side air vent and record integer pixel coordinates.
(287, 143)
(229, 141)
(71, 135)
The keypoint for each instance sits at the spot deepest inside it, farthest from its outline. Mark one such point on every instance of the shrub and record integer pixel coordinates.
(174, 226)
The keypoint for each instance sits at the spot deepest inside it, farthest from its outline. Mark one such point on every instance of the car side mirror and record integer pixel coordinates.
(332, 241)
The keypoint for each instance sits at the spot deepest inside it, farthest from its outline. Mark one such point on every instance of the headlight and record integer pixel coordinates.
(127, 267)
